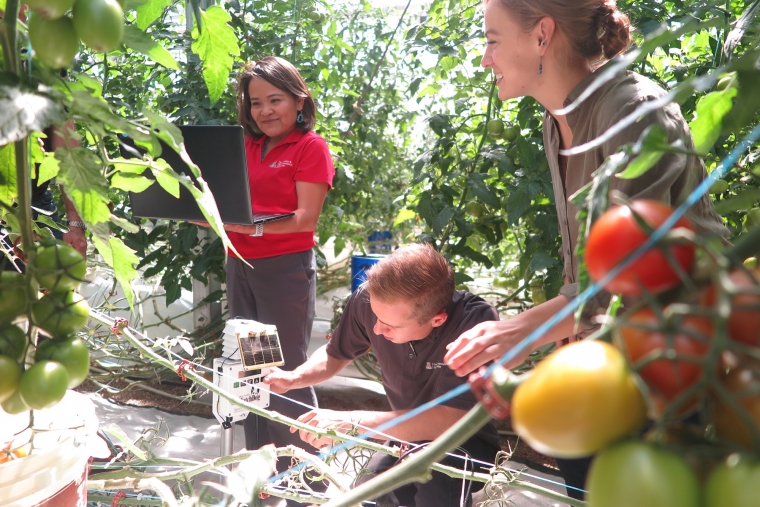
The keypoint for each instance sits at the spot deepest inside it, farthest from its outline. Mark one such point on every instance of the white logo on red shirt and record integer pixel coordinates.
(281, 163)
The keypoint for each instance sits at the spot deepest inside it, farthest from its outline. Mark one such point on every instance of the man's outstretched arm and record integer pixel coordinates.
(318, 368)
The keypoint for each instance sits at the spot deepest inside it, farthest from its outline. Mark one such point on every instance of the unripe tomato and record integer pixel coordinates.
(15, 404)
(644, 333)
(44, 384)
(474, 209)
(635, 474)
(616, 234)
(495, 128)
(537, 295)
(59, 268)
(49, 9)
(734, 483)
(54, 40)
(99, 23)
(744, 321)
(61, 313)
(752, 219)
(10, 373)
(510, 133)
(750, 262)
(72, 353)
(744, 385)
(13, 342)
(728, 81)
(719, 186)
(12, 295)
(578, 400)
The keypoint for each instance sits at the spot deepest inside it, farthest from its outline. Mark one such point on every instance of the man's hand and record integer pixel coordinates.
(279, 381)
(485, 342)
(76, 238)
(324, 419)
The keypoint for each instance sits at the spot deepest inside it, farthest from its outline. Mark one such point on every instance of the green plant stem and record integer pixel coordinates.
(10, 37)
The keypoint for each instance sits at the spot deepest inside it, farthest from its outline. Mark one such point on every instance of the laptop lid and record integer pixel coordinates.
(219, 153)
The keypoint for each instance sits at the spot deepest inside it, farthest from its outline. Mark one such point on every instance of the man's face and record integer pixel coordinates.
(396, 324)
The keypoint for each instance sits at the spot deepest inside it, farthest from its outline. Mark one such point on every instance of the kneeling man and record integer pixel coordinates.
(407, 313)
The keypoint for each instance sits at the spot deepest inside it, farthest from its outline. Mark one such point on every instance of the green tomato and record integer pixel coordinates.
(314, 16)
(750, 262)
(15, 404)
(61, 313)
(635, 474)
(13, 342)
(474, 209)
(510, 133)
(734, 483)
(728, 81)
(50, 9)
(10, 373)
(753, 218)
(537, 295)
(719, 186)
(99, 23)
(12, 295)
(44, 384)
(72, 353)
(495, 128)
(54, 40)
(501, 283)
(59, 268)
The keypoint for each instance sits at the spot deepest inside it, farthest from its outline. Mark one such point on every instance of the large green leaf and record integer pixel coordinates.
(49, 168)
(23, 112)
(150, 11)
(119, 256)
(130, 182)
(709, 121)
(216, 46)
(141, 42)
(84, 183)
(8, 189)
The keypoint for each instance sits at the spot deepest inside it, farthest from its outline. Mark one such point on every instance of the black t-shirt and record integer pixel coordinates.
(412, 376)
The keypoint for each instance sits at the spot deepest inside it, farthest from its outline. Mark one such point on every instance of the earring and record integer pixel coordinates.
(299, 118)
(541, 65)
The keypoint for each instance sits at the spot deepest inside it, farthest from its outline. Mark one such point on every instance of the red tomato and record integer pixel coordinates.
(744, 385)
(744, 322)
(644, 333)
(616, 234)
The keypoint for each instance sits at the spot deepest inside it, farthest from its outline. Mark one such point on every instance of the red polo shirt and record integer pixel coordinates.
(300, 157)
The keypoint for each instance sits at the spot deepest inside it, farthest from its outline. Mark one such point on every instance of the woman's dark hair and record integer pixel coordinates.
(594, 28)
(280, 74)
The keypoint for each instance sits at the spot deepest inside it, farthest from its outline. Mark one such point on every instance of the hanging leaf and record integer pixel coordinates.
(216, 46)
(84, 183)
(150, 11)
(130, 182)
(709, 118)
(166, 177)
(8, 190)
(136, 39)
(404, 215)
(23, 112)
(49, 168)
(119, 256)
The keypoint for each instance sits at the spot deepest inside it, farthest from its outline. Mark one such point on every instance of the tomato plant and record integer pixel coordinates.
(635, 474)
(734, 483)
(617, 234)
(495, 128)
(644, 333)
(54, 40)
(44, 384)
(579, 399)
(744, 384)
(61, 313)
(13, 342)
(10, 373)
(12, 295)
(72, 353)
(99, 23)
(59, 268)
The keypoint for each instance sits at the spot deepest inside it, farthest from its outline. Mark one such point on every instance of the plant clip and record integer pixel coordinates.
(483, 389)
(263, 496)
(117, 498)
(118, 325)
(185, 364)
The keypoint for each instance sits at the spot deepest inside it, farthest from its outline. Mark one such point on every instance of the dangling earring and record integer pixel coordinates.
(299, 118)
(541, 61)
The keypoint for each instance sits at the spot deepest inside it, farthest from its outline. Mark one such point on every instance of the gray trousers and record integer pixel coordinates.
(280, 291)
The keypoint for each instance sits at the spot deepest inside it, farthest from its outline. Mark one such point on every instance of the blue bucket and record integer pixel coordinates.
(359, 265)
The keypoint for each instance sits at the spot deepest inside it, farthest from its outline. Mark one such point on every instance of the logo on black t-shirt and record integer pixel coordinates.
(434, 366)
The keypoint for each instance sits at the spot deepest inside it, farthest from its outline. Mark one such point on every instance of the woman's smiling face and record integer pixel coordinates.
(511, 52)
(274, 110)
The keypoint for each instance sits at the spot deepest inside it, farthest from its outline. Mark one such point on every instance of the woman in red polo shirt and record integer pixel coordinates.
(290, 170)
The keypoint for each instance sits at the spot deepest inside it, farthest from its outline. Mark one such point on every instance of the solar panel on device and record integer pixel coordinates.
(260, 350)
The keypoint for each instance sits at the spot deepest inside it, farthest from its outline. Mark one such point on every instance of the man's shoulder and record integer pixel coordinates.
(468, 309)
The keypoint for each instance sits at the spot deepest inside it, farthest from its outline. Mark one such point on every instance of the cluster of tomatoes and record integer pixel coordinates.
(40, 379)
(670, 409)
(55, 36)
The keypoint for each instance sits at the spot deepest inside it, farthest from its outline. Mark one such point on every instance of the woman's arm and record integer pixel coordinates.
(311, 197)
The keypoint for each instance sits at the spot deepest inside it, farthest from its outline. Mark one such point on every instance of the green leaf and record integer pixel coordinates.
(125, 224)
(84, 183)
(742, 201)
(541, 260)
(482, 191)
(150, 11)
(8, 189)
(49, 168)
(23, 112)
(166, 177)
(709, 118)
(443, 218)
(122, 437)
(130, 182)
(216, 46)
(251, 474)
(120, 257)
(2, 5)
(141, 42)
(404, 215)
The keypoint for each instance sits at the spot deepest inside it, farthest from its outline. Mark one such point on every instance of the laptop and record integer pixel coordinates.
(219, 153)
